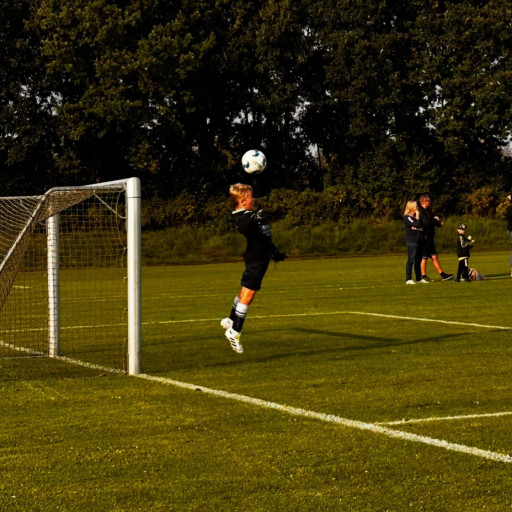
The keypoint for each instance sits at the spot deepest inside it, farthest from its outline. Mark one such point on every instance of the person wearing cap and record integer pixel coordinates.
(508, 216)
(464, 244)
(429, 222)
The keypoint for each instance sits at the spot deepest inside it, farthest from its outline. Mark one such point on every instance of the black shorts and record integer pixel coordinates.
(254, 273)
(428, 248)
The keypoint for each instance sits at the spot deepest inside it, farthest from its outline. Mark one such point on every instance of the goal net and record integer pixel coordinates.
(70, 276)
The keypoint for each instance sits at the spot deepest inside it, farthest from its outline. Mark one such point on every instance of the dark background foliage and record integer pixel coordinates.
(371, 102)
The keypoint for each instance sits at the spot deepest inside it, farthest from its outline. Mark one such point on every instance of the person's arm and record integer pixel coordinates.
(260, 219)
(465, 242)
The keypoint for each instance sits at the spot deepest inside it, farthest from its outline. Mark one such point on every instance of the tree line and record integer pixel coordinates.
(376, 99)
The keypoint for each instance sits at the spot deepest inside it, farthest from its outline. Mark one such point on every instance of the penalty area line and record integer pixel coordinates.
(328, 313)
(446, 418)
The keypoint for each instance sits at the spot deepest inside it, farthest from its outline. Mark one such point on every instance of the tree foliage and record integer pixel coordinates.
(374, 100)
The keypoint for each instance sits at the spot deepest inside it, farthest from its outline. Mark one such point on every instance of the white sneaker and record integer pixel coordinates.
(226, 323)
(234, 338)
(410, 281)
(423, 281)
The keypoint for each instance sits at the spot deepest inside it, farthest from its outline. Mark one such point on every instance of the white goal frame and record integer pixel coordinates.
(132, 190)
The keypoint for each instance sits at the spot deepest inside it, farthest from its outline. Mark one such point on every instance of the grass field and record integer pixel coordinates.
(355, 393)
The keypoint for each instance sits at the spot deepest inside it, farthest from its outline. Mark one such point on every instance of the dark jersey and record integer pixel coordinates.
(508, 216)
(428, 223)
(463, 246)
(412, 236)
(256, 230)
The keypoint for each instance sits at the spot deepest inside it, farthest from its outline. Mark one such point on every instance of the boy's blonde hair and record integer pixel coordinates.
(410, 207)
(238, 192)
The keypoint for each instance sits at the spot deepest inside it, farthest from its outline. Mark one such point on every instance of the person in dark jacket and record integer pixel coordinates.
(412, 225)
(464, 244)
(258, 253)
(508, 216)
(429, 223)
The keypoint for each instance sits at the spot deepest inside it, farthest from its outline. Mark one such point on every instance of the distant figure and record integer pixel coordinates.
(464, 244)
(412, 238)
(508, 216)
(429, 222)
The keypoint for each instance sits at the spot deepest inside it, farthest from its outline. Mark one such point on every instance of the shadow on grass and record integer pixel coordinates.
(367, 343)
(360, 342)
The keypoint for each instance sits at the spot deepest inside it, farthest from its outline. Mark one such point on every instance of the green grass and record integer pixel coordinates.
(80, 439)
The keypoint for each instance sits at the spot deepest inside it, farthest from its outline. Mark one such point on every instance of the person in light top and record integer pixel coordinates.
(508, 217)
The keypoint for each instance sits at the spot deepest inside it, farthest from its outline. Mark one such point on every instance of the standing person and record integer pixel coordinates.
(429, 222)
(508, 216)
(412, 238)
(259, 251)
(464, 244)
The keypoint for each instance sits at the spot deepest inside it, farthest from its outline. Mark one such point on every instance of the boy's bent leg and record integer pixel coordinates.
(227, 322)
(240, 314)
(237, 318)
(246, 295)
(245, 298)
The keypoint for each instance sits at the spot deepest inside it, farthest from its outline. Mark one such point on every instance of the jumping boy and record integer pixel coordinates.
(464, 244)
(259, 251)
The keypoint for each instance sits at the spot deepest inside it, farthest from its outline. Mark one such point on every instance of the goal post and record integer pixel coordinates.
(53, 286)
(133, 213)
(70, 274)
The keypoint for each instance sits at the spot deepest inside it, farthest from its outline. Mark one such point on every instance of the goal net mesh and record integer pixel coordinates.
(92, 276)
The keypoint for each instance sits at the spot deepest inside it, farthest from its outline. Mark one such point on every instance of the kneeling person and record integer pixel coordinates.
(464, 244)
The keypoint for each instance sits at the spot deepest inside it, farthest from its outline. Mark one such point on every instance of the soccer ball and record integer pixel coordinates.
(254, 161)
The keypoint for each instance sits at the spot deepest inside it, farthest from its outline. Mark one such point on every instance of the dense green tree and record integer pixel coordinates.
(468, 78)
(374, 136)
(25, 111)
(379, 100)
(88, 49)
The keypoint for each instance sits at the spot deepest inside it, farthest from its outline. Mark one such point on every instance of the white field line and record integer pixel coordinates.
(419, 319)
(326, 313)
(445, 418)
(294, 411)
(295, 315)
(64, 328)
(292, 315)
(25, 350)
